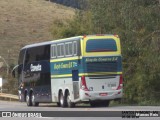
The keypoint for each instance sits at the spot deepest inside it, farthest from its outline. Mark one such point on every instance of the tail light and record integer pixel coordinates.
(120, 83)
(83, 84)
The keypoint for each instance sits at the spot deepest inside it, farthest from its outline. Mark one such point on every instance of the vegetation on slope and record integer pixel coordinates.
(137, 22)
(27, 21)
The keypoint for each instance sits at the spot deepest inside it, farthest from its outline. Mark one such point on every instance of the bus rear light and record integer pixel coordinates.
(120, 82)
(83, 84)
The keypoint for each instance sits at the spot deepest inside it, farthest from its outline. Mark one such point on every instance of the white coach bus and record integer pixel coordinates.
(73, 70)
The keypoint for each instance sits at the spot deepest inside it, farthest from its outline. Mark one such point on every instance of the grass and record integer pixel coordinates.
(27, 21)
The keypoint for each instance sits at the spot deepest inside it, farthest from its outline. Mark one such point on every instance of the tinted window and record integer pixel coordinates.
(101, 45)
(60, 50)
(21, 56)
(75, 48)
(65, 49)
(54, 51)
(68, 49)
(37, 54)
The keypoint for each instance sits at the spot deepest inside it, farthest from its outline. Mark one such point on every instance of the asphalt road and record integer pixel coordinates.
(81, 110)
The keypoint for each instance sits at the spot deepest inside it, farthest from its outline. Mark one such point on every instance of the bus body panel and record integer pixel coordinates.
(61, 84)
(88, 67)
(64, 74)
(93, 96)
(102, 69)
(102, 73)
(34, 74)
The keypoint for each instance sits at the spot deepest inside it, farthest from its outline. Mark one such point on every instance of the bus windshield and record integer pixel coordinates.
(101, 45)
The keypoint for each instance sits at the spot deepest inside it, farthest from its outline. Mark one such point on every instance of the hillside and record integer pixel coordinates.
(27, 21)
(80, 4)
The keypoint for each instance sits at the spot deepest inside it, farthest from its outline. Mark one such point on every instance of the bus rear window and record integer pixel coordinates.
(101, 45)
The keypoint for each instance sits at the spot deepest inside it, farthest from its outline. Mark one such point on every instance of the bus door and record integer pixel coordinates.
(75, 79)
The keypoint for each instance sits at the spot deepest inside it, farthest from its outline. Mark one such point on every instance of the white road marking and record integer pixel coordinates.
(46, 118)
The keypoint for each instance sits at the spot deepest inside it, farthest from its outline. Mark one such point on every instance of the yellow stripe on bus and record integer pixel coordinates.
(99, 73)
(59, 76)
(96, 73)
(64, 59)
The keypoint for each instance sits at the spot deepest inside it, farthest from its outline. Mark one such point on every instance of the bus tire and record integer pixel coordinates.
(58, 104)
(69, 103)
(33, 100)
(62, 100)
(28, 100)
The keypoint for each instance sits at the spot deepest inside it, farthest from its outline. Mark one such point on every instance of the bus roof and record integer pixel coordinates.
(51, 42)
(64, 39)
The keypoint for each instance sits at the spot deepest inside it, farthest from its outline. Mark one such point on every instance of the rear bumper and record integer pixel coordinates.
(111, 95)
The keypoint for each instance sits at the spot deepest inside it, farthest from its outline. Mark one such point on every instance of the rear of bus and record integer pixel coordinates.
(101, 77)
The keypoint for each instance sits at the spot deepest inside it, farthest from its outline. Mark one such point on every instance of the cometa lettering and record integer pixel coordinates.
(35, 68)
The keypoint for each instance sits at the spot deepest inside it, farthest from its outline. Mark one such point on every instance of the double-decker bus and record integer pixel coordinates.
(73, 70)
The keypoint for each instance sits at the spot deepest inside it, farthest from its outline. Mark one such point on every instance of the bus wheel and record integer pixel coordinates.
(28, 100)
(61, 100)
(33, 101)
(69, 103)
(58, 104)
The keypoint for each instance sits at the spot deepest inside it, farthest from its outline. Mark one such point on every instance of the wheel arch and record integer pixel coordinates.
(59, 92)
(66, 91)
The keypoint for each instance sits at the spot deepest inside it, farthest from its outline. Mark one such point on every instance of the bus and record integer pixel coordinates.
(82, 69)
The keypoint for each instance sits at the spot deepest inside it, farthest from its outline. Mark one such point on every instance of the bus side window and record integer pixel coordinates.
(21, 57)
(27, 57)
(60, 50)
(53, 51)
(75, 48)
(68, 49)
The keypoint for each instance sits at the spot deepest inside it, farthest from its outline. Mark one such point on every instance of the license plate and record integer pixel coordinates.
(103, 94)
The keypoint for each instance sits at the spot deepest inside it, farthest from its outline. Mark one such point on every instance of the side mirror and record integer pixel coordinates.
(14, 71)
